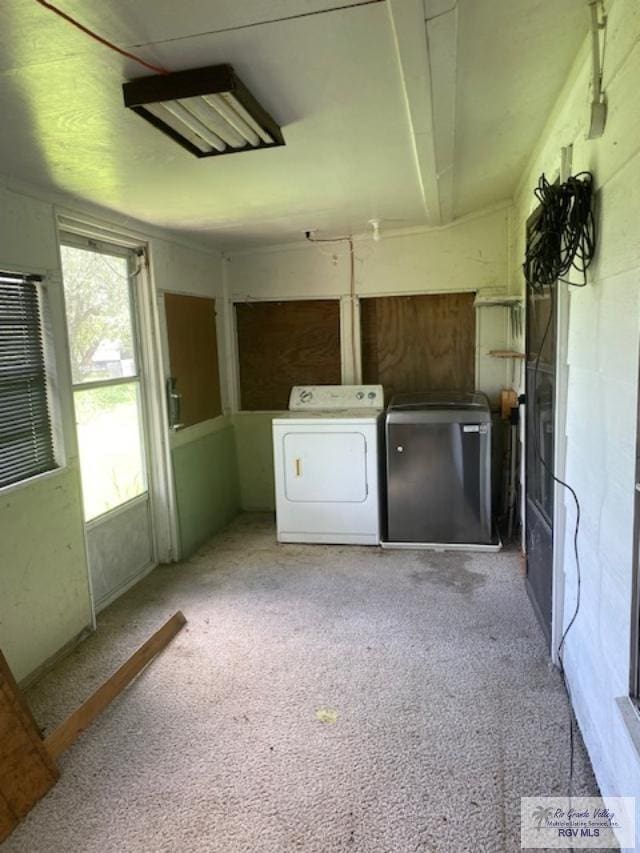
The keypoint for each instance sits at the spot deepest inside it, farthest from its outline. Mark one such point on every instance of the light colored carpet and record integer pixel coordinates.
(438, 708)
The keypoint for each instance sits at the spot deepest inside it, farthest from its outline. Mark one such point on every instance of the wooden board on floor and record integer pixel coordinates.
(27, 771)
(425, 342)
(27, 763)
(71, 729)
(281, 344)
(193, 355)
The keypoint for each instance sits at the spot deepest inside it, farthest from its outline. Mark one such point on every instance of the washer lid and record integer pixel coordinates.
(425, 400)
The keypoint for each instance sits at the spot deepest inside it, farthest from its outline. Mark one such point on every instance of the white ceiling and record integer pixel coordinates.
(384, 116)
(512, 59)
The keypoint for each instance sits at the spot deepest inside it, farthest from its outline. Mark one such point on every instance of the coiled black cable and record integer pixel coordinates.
(564, 235)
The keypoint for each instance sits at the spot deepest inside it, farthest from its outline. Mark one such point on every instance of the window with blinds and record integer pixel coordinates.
(26, 443)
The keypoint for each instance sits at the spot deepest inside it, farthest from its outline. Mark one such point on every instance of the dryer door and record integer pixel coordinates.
(326, 467)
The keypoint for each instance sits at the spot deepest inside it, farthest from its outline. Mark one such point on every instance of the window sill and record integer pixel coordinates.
(273, 412)
(186, 435)
(33, 481)
(631, 717)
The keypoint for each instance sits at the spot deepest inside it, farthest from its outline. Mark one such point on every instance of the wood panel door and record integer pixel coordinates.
(419, 343)
(193, 356)
(281, 344)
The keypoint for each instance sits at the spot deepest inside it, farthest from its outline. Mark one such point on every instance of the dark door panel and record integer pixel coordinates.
(539, 563)
(540, 415)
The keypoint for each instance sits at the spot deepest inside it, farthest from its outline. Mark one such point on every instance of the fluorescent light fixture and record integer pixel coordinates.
(206, 110)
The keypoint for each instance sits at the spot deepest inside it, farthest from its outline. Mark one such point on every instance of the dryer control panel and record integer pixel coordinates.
(329, 398)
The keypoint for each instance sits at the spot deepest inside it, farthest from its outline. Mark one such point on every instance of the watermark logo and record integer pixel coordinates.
(561, 823)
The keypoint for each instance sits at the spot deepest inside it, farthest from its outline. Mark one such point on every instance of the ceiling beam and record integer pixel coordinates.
(408, 25)
(442, 50)
(435, 8)
(426, 35)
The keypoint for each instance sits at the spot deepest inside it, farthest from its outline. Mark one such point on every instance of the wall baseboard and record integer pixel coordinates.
(56, 657)
(125, 587)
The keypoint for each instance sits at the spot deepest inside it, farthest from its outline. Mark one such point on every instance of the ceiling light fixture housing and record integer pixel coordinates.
(208, 111)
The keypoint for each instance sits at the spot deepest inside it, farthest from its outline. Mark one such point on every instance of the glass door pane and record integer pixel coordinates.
(99, 315)
(111, 447)
(107, 386)
(540, 397)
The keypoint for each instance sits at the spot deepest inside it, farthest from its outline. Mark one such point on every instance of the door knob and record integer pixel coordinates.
(400, 448)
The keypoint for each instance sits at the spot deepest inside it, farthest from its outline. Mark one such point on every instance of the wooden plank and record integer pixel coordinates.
(508, 401)
(8, 821)
(281, 344)
(68, 731)
(425, 342)
(193, 355)
(7, 676)
(27, 771)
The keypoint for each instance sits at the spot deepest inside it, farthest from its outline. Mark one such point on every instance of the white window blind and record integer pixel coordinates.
(26, 444)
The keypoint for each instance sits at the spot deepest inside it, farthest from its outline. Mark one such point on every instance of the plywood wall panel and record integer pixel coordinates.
(8, 820)
(193, 355)
(281, 344)
(27, 771)
(419, 343)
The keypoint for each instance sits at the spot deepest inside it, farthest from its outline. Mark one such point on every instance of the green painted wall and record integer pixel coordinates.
(255, 460)
(206, 483)
(44, 587)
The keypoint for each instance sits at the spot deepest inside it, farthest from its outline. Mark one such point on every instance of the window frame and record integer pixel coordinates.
(629, 705)
(634, 656)
(48, 379)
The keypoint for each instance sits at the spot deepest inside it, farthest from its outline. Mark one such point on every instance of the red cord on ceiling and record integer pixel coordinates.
(156, 68)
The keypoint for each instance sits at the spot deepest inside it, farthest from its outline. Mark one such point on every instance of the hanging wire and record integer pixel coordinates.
(158, 69)
(310, 236)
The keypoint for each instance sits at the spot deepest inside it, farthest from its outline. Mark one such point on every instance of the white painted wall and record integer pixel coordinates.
(471, 254)
(185, 269)
(602, 359)
(44, 588)
(45, 600)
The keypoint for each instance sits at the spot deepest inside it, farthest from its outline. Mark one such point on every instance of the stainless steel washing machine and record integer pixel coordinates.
(438, 470)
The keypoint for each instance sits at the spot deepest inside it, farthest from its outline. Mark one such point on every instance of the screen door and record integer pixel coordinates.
(101, 298)
(540, 396)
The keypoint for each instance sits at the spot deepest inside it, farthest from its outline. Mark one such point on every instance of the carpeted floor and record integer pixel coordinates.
(320, 699)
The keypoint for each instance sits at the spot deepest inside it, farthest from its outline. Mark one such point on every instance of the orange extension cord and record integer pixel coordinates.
(156, 68)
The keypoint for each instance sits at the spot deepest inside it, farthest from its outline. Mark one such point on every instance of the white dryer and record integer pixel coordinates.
(325, 451)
